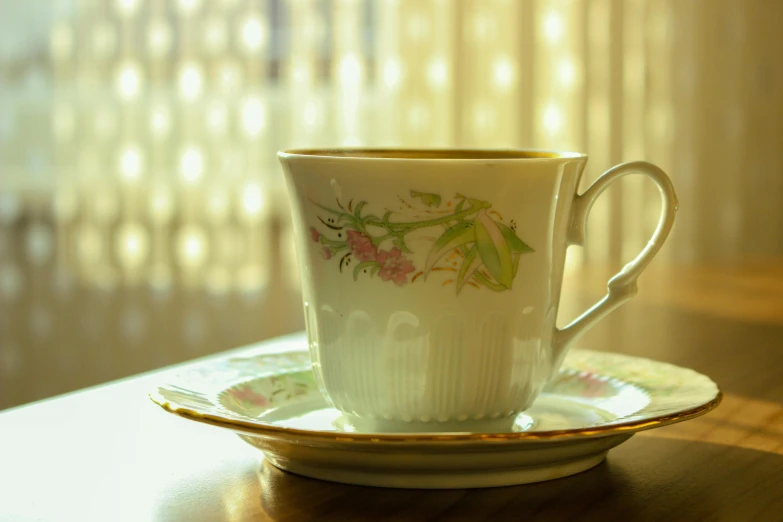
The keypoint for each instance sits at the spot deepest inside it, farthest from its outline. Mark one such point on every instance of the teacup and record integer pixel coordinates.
(431, 278)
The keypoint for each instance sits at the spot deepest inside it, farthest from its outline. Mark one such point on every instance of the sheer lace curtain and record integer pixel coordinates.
(141, 204)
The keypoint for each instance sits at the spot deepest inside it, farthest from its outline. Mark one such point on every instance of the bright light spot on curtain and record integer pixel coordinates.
(553, 119)
(190, 81)
(131, 163)
(160, 122)
(127, 7)
(483, 118)
(132, 245)
(392, 73)
(418, 115)
(253, 202)
(230, 76)
(566, 73)
(504, 73)
(350, 69)
(253, 116)
(553, 27)
(215, 37)
(417, 27)
(159, 38)
(311, 114)
(191, 165)
(189, 6)
(161, 205)
(301, 73)
(218, 205)
(192, 246)
(253, 34)
(437, 73)
(129, 81)
(217, 117)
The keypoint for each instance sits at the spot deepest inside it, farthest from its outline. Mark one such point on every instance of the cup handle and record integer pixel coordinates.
(622, 286)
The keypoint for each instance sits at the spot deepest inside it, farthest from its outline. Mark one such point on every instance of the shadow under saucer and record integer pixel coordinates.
(647, 478)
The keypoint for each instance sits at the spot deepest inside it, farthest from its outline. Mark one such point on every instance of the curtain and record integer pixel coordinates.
(138, 138)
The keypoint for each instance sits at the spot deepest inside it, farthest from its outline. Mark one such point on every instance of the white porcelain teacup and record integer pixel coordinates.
(431, 278)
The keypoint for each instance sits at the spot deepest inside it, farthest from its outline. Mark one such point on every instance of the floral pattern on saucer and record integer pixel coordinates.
(267, 393)
(639, 393)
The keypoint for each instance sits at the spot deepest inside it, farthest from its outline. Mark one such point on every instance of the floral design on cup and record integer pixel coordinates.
(472, 243)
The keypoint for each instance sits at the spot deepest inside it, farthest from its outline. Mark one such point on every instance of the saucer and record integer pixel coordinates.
(268, 395)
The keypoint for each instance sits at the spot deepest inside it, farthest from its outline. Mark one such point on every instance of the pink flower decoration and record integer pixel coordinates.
(394, 266)
(327, 253)
(361, 246)
(248, 395)
(315, 234)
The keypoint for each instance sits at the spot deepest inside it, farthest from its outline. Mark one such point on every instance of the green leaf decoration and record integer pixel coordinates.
(361, 266)
(494, 250)
(399, 242)
(517, 245)
(516, 263)
(347, 219)
(453, 237)
(489, 284)
(477, 203)
(357, 211)
(431, 200)
(470, 264)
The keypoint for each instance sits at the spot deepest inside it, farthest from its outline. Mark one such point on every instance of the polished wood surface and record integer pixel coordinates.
(108, 453)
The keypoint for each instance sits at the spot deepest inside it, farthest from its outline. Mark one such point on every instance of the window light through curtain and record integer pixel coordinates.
(138, 137)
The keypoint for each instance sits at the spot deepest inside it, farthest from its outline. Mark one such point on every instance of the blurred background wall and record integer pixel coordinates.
(143, 218)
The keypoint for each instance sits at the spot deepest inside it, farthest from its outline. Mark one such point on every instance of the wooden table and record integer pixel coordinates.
(109, 454)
